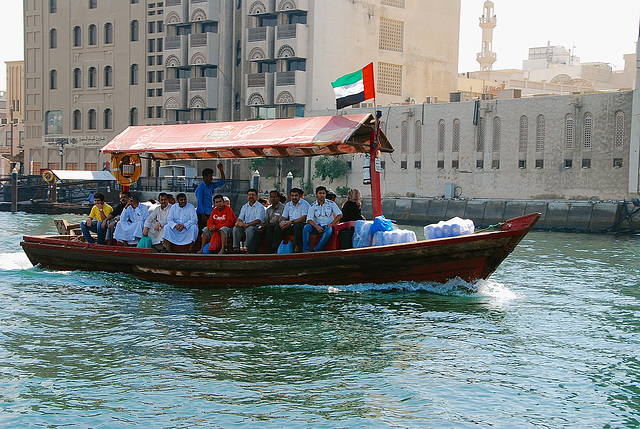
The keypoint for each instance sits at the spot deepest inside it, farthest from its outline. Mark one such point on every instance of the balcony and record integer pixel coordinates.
(203, 93)
(262, 7)
(176, 12)
(204, 10)
(299, 5)
(204, 48)
(292, 41)
(259, 89)
(176, 51)
(260, 42)
(175, 94)
(291, 88)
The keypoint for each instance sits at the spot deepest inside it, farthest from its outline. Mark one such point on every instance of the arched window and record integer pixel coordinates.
(77, 78)
(455, 147)
(53, 79)
(77, 36)
(497, 134)
(540, 133)
(53, 38)
(588, 131)
(134, 74)
(569, 131)
(108, 33)
(524, 134)
(404, 137)
(417, 138)
(108, 76)
(135, 30)
(93, 35)
(93, 77)
(618, 137)
(93, 123)
(77, 120)
(133, 116)
(441, 134)
(481, 130)
(108, 119)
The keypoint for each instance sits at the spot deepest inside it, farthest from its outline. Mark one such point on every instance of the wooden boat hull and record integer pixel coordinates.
(468, 257)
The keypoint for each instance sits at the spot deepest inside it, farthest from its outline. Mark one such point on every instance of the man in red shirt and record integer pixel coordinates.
(222, 220)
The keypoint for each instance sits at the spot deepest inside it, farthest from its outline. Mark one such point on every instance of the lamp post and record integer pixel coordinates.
(11, 119)
(61, 143)
(289, 182)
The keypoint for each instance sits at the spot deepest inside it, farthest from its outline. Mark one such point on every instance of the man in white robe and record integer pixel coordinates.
(157, 219)
(182, 224)
(129, 229)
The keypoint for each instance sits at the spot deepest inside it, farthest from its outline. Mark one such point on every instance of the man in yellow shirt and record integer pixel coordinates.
(99, 213)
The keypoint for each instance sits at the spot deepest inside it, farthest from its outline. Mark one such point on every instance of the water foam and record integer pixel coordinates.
(14, 261)
(453, 287)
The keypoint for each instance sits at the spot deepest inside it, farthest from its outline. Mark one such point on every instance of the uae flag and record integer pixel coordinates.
(355, 87)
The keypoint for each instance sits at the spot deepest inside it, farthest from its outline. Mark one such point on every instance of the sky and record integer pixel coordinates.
(599, 31)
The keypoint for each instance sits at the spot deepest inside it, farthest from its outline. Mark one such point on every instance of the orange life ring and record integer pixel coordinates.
(126, 168)
(49, 177)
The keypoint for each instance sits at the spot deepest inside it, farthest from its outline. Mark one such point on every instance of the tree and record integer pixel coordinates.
(331, 167)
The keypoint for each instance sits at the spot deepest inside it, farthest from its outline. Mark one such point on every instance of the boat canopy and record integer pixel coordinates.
(79, 175)
(310, 136)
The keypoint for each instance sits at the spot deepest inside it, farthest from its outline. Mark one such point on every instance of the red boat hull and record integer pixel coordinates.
(469, 257)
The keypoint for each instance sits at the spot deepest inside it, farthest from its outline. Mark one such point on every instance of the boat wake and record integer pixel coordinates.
(453, 287)
(14, 261)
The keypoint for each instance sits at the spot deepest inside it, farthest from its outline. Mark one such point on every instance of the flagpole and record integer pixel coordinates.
(376, 196)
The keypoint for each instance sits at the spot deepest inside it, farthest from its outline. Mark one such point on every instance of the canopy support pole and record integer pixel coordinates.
(376, 197)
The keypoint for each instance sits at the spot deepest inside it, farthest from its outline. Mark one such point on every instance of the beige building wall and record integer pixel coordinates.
(413, 45)
(12, 137)
(79, 87)
(575, 147)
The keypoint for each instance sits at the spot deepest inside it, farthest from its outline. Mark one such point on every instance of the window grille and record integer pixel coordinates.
(497, 131)
(524, 134)
(391, 35)
(569, 131)
(619, 130)
(540, 133)
(456, 136)
(588, 131)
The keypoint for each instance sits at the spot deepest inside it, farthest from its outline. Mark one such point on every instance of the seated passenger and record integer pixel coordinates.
(351, 209)
(157, 219)
(129, 229)
(221, 221)
(271, 221)
(110, 225)
(97, 218)
(251, 215)
(323, 215)
(182, 224)
(293, 219)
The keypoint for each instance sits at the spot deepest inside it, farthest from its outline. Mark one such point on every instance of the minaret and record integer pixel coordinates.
(486, 58)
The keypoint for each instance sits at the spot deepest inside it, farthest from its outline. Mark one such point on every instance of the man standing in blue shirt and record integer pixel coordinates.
(204, 194)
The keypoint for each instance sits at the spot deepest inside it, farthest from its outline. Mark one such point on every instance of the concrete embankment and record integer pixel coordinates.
(579, 216)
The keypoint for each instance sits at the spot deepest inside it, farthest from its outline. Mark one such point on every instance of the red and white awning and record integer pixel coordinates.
(319, 135)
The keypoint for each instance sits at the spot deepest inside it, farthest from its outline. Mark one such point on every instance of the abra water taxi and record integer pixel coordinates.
(469, 257)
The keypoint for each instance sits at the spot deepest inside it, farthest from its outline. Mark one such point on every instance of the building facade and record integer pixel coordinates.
(94, 67)
(571, 147)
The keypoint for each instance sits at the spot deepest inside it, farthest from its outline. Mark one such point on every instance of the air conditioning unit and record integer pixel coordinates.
(431, 100)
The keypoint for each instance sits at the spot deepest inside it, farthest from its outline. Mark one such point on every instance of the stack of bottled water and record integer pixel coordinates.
(450, 228)
(397, 236)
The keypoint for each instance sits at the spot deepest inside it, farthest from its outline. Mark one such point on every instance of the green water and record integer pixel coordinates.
(551, 340)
